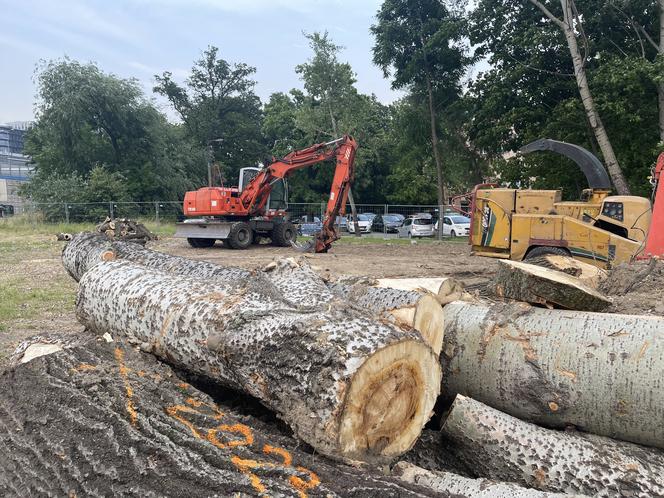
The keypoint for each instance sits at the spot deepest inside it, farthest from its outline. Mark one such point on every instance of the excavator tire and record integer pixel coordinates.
(537, 252)
(283, 234)
(241, 235)
(201, 243)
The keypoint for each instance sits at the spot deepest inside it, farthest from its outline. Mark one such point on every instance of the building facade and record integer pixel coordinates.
(15, 167)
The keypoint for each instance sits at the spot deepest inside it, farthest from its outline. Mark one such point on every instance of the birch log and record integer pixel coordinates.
(599, 372)
(538, 285)
(503, 447)
(104, 420)
(85, 250)
(351, 387)
(465, 487)
(420, 310)
(444, 288)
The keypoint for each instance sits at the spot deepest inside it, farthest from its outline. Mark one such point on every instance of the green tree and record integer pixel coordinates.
(420, 44)
(530, 91)
(330, 106)
(218, 102)
(88, 119)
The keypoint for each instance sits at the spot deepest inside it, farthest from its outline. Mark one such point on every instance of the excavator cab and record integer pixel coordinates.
(278, 198)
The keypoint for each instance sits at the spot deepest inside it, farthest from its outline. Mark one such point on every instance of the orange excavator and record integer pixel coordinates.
(256, 209)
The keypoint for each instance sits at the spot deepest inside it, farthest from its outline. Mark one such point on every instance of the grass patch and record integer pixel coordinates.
(22, 299)
(30, 225)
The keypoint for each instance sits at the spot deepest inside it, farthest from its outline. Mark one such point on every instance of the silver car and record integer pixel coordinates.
(417, 227)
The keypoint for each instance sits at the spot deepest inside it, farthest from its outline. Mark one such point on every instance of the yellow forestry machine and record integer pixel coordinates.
(600, 229)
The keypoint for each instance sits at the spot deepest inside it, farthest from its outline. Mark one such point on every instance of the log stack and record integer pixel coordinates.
(566, 403)
(348, 385)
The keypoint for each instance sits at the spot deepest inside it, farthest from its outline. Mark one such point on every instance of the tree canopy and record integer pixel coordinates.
(478, 83)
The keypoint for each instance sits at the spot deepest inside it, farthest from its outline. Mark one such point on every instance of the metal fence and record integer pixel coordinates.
(171, 211)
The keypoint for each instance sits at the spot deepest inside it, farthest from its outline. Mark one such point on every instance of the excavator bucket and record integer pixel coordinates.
(304, 247)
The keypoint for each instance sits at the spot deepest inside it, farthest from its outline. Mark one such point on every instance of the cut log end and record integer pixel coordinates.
(107, 255)
(429, 322)
(389, 400)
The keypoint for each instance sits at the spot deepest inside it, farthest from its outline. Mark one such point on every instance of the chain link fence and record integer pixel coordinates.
(171, 211)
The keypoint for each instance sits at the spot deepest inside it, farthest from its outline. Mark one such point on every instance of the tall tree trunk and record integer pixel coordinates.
(436, 155)
(612, 165)
(566, 25)
(441, 194)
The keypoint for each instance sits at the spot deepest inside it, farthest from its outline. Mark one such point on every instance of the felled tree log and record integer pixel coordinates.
(85, 250)
(104, 420)
(589, 275)
(495, 444)
(599, 372)
(538, 285)
(312, 291)
(351, 387)
(420, 310)
(462, 487)
(444, 288)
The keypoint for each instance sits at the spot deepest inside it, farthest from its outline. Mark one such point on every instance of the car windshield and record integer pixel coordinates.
(422, 221)
(391, 217)
(460, 219)
(363, 217)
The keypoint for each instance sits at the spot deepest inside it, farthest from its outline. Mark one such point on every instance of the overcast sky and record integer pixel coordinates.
(141, 38)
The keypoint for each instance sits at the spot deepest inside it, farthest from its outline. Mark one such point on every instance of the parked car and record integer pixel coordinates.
(455, 226)
(342, 223)
(386, 223)
(416, 227)
(308, 225)
(363, 221)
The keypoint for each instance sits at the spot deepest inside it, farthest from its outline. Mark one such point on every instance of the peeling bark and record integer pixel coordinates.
(599, 372)
(537, 285)
(462, 487)
(103, 420)
(351, 387)
(499, 446)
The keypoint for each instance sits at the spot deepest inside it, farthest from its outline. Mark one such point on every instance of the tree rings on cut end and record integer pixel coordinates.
(429, 322)
(390, 399)
(107, 255)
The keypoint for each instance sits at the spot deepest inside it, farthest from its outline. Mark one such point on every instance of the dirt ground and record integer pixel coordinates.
(43, 294)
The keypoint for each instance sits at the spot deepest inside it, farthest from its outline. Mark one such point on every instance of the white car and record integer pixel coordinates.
(364, 221)
(416, 227)
(455, 225)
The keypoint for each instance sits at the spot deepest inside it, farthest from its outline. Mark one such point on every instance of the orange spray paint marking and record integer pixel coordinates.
(173, 412)
(236, 428)
(284, 454)
(301, 485)
(124, 373)
(244, 466)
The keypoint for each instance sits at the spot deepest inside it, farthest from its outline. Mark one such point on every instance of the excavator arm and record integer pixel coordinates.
(256, 193)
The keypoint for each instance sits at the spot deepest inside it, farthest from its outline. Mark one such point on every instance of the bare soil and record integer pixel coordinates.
(32, 266)
(637, 288)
